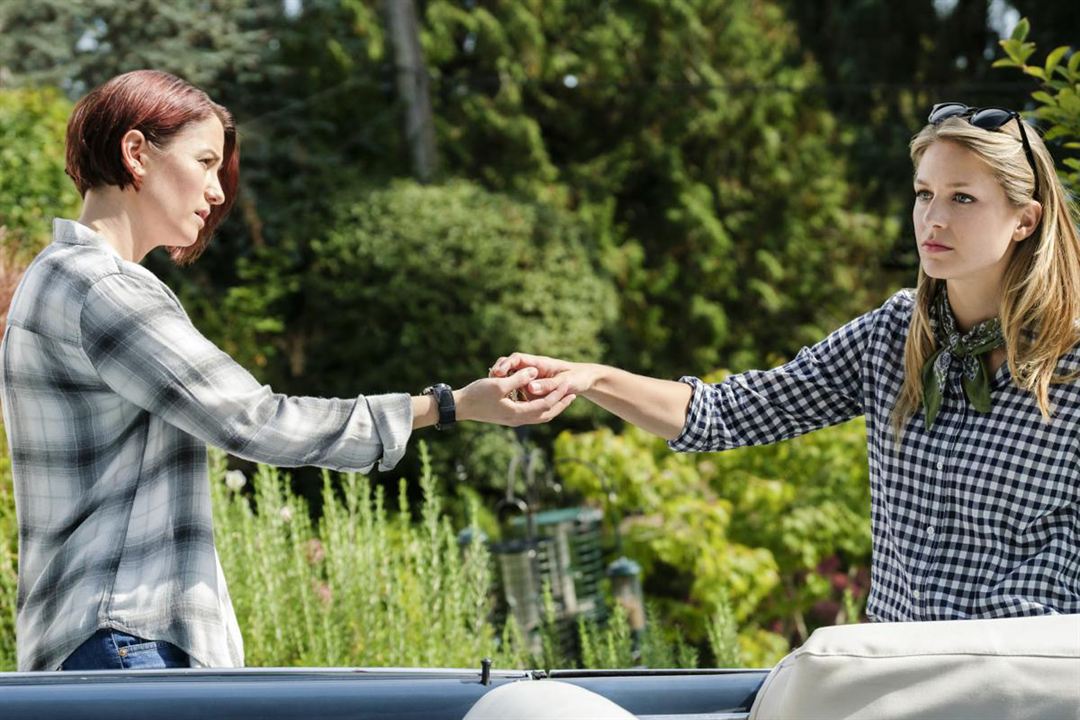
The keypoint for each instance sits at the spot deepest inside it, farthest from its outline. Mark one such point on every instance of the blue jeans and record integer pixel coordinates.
(114, 650)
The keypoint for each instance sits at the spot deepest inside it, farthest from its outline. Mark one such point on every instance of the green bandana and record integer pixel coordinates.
(970, 350)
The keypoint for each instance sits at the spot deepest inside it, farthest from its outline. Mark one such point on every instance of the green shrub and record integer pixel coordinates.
(33, 186)
(1058, 98)
(778, 536)
(369, 588)
(411, 284)
(9, 553)
(365, 586)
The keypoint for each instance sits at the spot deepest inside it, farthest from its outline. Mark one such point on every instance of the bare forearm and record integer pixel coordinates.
(659, 406)
(426, 410)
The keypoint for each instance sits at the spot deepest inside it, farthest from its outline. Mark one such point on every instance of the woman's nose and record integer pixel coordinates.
(214, 194)
(935, 215)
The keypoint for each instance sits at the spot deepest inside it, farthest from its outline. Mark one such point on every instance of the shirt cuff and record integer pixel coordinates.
(393, 417)
(689, 439)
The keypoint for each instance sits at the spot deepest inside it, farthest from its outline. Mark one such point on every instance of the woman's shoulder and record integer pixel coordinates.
(72, 270)
(894, 313)
(65, 277)
(900, 302)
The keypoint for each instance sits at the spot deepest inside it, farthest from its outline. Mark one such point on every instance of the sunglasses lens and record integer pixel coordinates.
(944, 111)
(991, 118)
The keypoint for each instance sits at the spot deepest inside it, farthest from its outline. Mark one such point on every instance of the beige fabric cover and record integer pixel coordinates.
(978, 669)
(544, 700)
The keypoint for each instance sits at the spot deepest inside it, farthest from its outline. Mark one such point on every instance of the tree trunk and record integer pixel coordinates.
(412, 85)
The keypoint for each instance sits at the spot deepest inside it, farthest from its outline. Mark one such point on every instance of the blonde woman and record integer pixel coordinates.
(966, 384)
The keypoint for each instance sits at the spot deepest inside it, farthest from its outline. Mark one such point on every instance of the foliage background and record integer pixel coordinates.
(671, 186)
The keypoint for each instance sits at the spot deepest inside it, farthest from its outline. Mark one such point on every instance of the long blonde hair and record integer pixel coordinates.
(1040, 299)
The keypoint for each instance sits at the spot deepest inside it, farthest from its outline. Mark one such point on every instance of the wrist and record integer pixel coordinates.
(594, 375)
(462, 405)
(445, 403)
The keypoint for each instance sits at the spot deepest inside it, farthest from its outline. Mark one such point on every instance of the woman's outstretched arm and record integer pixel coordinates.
(659, 406)
(822, 385)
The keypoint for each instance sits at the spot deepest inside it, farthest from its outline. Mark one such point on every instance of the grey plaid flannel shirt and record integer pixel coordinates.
(110, 396)
(978, 518)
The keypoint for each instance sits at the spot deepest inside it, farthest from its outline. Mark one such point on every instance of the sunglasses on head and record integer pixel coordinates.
(991, 118)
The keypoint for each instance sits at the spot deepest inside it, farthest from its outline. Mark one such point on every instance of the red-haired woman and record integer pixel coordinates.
(111, 395)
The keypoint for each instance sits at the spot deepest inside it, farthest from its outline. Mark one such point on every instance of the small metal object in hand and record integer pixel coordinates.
(519, 394)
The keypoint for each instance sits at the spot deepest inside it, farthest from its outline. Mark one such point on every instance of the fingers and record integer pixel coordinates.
(496, 369)
(545, 408)
(539, 388)
(505, 366)
(517, 381)
(557, 408)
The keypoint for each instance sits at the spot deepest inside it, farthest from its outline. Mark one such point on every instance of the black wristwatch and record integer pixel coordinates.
(444, 398)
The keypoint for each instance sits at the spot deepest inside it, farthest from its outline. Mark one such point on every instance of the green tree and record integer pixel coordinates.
(78, 45)
(1058, 97)
(884, 63)
(687, 133)
(33, 185)
(411, 284)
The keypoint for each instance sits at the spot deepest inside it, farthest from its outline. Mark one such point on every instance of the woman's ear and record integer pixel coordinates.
(134, 152)
(1028, 221)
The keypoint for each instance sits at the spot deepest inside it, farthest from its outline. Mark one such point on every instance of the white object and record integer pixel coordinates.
(1002, 668)
(545, 700)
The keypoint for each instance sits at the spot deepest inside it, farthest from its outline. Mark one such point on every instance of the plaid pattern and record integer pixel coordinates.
(978, 517)
(110, 396)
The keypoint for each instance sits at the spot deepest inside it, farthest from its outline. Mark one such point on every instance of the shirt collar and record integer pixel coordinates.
(72, 232)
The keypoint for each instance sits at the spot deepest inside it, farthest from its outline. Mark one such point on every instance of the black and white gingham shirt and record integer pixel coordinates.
(979, 517)
(110, 396)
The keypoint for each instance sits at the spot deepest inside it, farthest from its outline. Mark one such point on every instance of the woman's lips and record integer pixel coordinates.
(934, 248)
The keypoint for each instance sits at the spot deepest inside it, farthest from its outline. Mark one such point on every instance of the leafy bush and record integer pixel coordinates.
(369, 588)
(1058, 98)
(693, 135)
(364, 586)
(781, 532)
(411, 284)
(33, 186)
(9, 554)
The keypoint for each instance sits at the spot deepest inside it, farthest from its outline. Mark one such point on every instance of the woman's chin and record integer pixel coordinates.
(937, 273)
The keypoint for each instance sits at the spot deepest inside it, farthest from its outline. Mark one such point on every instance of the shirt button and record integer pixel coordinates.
(916, 594)
(940, 465)
(930, 531)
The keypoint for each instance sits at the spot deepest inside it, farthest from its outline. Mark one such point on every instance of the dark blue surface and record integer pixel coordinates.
(376, 694)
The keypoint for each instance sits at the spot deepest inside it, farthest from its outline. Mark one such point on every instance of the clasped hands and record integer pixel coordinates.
(524, 389)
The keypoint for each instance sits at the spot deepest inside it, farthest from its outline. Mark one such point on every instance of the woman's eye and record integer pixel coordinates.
(963, 199)
(207, 162)
(922, 194)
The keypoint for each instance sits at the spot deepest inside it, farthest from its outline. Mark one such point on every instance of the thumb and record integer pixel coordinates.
(539, 388)
(517, 381)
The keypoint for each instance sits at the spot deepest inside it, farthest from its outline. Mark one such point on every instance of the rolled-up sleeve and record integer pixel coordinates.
(145, 349)
(821, 386)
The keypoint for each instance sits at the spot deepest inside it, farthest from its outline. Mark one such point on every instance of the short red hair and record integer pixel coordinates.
(159, 105)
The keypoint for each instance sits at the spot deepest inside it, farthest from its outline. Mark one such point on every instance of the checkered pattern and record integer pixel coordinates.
(979, 517)
(110, 396)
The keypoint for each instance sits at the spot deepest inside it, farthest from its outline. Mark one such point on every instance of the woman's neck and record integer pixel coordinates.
(105, 213)
(972, 304)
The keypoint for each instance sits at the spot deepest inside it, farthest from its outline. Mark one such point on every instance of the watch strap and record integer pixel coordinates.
(444, 400)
